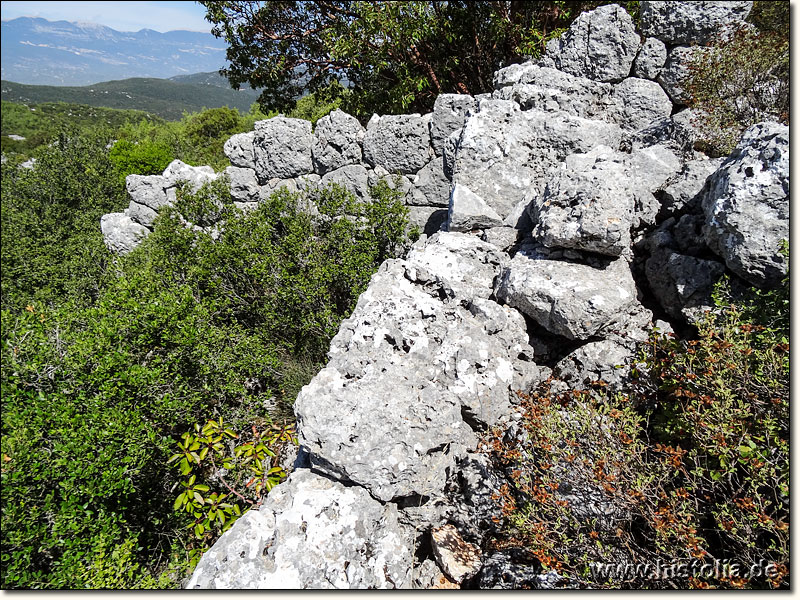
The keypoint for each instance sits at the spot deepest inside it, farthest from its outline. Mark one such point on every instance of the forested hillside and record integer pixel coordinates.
(162, 98)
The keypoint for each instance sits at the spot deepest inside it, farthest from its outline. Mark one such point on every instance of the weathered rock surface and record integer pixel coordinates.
(690, 22)
(178, 171)
(282, 148)
(640, 102)
(503, 152)
(546, 89)
(312, 532)
(398, 143)
(603, 360)
(468, 211)
(681, 191)
(429, 219)
(675, 73)
(600, 44)
(590, 210)
(147, 190)
(683, 284)
(243, 184)
(449, 112)
(650, 60)
(239, 150)
(431, 186)
(120, 233)
(337, 142)
(354, 178)
(746, 204)
(569, 299)
(458, 559)
(570, 177)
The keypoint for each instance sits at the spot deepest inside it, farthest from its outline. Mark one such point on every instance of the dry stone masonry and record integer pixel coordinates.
(566, 213)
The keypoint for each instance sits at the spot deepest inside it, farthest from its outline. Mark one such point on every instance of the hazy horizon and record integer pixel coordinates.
(122, 16)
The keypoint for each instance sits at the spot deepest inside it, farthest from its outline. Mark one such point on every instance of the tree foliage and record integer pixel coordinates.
(394, 56)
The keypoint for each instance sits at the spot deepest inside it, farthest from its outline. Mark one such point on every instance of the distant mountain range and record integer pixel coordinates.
(40, 52)
(166, 98)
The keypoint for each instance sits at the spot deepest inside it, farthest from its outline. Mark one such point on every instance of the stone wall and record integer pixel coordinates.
(564, 208)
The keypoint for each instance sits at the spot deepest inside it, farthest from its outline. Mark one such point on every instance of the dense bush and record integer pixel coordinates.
(690, 467)
(107, 361)
(742, 80)
(142, 158)
(52, 245)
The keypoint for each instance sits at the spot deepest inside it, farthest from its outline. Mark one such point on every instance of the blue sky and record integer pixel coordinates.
(122, 16)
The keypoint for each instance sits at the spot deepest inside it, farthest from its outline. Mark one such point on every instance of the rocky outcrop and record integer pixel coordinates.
(690, 22)
(337, 142)
(341, 538)
(282, 148)
(398, 143)
(121, 233)
(601, 45)
(746, 205)
(555, 209)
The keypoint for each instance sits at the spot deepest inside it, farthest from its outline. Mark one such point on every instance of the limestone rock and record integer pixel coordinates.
(681, 191)
(551, 90)
(586, 210)
(502, 237)
(354, 178)
(503, 153)
(337, 142)
(468, 264)
(690, 22)
(572, 300)
(645, 170)
(398, 143)
(449, 112)
(147, 190)
(504, 571)
(675, 74)
(243, 184)
(178, 171)
(141, 214)
(282, 148)
(431, 187)
(458, 559)
(650, 60)
(467, 211)
(600, 44)
(746, 204)
(449, 153)
(683, 284)
(688, 234)
(311, 532)
(121, 234)
(640, 102)
(239, 150)
(604, 360)
(429, 219)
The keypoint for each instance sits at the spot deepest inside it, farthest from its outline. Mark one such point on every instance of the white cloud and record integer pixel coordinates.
(119, 15)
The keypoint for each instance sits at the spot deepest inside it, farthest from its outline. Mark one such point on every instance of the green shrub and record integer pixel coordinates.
(738, 82)
(143, 158)
(194, 326)
(52, 246)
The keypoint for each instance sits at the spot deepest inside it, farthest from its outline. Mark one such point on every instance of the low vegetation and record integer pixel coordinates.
(109, 363)
(690, 467)
(744, 79)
